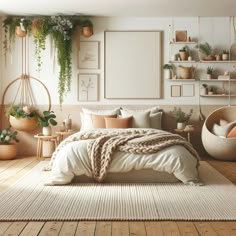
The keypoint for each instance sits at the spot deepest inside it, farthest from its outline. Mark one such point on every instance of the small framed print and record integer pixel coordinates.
(88, 55)
(175, 90)
(188, 90)
(88, 87)
(181, 36)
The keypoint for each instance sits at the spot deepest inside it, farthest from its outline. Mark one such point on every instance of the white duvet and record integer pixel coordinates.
(72, 160)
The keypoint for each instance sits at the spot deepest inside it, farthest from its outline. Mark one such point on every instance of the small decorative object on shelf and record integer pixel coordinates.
(181, 117)
(68, 123)
(184, 53)
(168, 71)
(211, 90)
(204, 89)
(209, 72)
(186, 72)
(225, 55)
(206, 50)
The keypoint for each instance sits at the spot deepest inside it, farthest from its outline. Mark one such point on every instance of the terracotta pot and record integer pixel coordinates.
(209, 58)
(7, 151)
(183, 55)
(23, 124)
(87, 31)
(19, 32)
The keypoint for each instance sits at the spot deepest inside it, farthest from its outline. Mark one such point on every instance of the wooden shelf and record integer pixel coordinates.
(217, 80)
(182, 80)
(182, 61)
(192, 42)
(202, 61)
(218, 95)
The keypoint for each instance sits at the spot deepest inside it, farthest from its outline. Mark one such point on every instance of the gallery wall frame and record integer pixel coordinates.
(175, 90)
(133, 64)
(88, 55)
(88, 85)
(187, 90)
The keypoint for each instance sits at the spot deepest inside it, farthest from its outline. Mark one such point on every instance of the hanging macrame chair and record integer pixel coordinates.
(219, 147)
(24, 96)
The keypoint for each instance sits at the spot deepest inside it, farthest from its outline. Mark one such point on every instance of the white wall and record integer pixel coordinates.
(216, 31)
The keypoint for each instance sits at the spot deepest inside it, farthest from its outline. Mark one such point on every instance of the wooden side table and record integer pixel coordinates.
(63, 134)
(42, 138)
(183, 131)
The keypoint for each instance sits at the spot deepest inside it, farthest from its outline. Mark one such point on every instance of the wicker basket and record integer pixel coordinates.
(23, 124)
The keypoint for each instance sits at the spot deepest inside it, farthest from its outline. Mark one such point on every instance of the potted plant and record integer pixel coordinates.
(211, 90)
(46, 120)
(209, 72)
(24, 118)
(168, 71)
(207, 51)
(8, 149)
(181, 117)
(183, 53)
(225, 55)
(204, 89)
(87, 28)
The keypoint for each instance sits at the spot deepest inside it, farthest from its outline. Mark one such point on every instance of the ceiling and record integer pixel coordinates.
(120, 8)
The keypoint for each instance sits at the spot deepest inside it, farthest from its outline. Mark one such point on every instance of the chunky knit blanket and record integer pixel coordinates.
(103, 143)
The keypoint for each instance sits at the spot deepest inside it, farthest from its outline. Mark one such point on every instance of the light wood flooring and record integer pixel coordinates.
(10, 171)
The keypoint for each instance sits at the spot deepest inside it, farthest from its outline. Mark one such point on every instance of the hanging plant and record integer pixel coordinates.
(61, 28)
(40, 29)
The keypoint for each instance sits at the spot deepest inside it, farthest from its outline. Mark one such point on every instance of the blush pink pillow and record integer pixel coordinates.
(119, 123)
(99, 120)
(232, 133)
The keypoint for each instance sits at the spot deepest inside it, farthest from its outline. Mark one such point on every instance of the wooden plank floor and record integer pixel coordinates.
(10, 171)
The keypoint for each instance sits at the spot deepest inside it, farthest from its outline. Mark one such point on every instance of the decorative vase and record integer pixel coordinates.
(167, 74)
(183, 55)
(203, 91)
(47, 131)
(7, 151)
(225, 57)
(87, 31)
(23, 124)
(180, 125)
(209, 76)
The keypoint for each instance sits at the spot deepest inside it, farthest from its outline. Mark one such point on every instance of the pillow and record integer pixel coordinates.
(155, 120)
(119, 123)
(232, 133)
(86, 120)
(223, 130)
(99, 121)
(223, 122)
(140, 119)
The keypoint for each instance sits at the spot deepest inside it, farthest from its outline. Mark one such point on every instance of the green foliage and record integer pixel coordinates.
(6, 136)
(212, 89)
(205, 49)
(184, 49)
(204, 85)
(47, 119)
(86, 23)
(225, 51)
(168, 66)
(180, 115)
(209, 70)
(19, 111)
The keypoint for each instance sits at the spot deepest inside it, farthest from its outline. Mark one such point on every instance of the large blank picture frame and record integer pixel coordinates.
(133, 64)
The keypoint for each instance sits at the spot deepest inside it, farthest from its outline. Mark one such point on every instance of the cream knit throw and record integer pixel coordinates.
(138, 141)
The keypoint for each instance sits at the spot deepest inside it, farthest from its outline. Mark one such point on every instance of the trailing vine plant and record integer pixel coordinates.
(61, 29)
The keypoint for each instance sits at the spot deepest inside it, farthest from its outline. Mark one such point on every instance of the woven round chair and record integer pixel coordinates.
(219, 147)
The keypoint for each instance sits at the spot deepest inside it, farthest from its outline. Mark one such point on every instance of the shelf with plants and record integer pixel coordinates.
(183, 80)
(218, 95)
(182, 43)
(214, 61)
(217, 80)
(187, 61)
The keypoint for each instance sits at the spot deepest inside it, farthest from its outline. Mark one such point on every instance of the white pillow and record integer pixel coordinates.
(155, 116)
(140, 119)
(86, 120)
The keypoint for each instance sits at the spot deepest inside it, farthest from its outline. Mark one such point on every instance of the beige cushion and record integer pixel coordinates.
(223, 130)
(119, 123)
(99, 121)
(140, 119)
(156, 120)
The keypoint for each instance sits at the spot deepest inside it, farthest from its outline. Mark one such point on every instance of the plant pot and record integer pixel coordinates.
(7, 151)
(87, 31)
(23, 124)
(19, 32)
(47, 131)
(180, 125)
(209, 76)
(186, 72)
(208, 58)
(210, 93)
(225, 57)
(203, 91)
(167, 74)
(183, 56)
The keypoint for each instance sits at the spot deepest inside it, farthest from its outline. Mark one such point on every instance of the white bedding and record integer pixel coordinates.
(72, 160)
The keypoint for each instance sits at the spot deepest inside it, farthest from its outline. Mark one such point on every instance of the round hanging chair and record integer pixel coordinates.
(219, 147)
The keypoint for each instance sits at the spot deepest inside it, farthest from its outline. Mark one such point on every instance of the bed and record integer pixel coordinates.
(135, 149)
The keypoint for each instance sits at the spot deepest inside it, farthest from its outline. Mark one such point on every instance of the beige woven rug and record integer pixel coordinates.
(29, 199)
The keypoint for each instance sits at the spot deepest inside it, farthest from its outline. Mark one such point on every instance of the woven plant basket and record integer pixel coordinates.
(23, 124)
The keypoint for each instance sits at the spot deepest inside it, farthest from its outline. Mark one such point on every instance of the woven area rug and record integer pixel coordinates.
(29, 199)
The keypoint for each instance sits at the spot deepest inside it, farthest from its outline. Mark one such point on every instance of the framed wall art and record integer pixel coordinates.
(88, 87)
(133, 64)
(188, 90)
(88, 55)
(175, 90)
